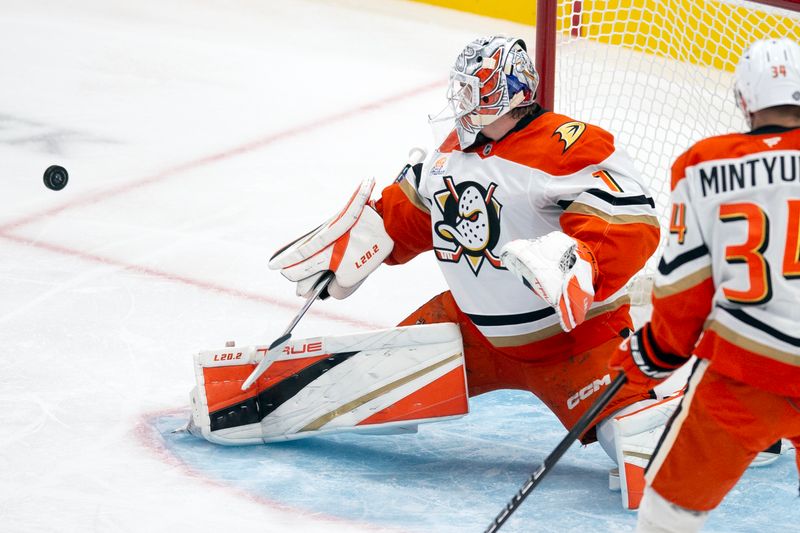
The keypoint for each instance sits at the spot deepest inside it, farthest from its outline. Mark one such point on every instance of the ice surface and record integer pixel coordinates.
(456, 476)
(200, 136)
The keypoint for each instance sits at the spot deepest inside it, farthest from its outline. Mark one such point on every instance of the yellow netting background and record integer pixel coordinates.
(658, 75)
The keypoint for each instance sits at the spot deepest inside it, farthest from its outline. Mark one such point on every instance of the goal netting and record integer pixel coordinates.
(659, 76)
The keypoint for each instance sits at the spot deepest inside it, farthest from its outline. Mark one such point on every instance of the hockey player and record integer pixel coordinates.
(728, 277)
(537, 221)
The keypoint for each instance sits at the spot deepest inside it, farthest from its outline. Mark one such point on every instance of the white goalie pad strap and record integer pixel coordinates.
(379, 382)
(320, 238)
(636, 435)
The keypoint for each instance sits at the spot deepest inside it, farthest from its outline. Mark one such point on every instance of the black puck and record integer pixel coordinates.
(56, 177)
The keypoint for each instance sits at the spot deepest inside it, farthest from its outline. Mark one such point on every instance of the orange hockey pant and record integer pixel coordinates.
(567, 383)
(719, 427)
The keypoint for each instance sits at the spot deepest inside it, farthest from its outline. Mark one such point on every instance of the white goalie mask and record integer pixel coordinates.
(491, 76)
(768, 75)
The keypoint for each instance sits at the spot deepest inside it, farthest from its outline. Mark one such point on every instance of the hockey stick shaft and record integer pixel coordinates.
(270, 356)
(580, 426)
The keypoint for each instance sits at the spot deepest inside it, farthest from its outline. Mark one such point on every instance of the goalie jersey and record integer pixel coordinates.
(549, 173)
(730, 274)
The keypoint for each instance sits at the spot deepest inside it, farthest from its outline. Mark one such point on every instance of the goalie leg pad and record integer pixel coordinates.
(632, 436)
(380, 382)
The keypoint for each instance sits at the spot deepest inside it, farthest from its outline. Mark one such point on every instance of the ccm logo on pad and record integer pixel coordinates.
(587, 391)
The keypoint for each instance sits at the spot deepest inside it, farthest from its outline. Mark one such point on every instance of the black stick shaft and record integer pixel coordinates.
(580, 426)
(270, 356)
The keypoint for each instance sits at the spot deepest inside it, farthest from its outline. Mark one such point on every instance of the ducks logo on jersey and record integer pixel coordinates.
(471, 221)
(569, 133)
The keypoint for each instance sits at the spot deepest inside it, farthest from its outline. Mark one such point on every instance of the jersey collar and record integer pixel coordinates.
(770, 129)
(481, 139)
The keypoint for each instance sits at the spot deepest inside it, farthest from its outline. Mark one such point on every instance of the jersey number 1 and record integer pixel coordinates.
(751, 252)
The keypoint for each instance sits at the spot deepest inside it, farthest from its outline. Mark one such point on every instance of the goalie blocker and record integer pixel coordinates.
(386, 381)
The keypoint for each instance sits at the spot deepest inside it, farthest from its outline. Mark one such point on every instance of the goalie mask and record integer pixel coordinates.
(491, 76)
(768, 75)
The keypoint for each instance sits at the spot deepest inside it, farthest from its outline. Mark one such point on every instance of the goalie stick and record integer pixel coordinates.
(277, 344)
(416, 156)
(549, 462)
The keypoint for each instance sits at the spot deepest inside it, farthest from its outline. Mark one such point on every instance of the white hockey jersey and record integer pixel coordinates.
(731, 268)
(549, 173)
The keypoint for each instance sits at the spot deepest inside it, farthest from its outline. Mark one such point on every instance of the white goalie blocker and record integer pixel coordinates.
(381, 382)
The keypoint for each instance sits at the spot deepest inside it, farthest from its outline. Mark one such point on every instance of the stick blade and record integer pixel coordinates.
(268, 359)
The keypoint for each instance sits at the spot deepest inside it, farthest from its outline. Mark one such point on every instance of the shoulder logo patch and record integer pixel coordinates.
(439, 166)
(569, 133)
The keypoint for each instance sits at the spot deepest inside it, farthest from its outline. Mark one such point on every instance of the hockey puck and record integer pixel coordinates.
(56, 177)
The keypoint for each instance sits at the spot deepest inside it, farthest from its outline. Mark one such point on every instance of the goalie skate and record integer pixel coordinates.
(381, 382)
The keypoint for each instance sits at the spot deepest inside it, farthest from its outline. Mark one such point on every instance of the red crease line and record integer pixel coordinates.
(185, 280)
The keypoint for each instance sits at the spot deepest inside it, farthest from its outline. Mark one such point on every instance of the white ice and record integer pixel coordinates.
(200, 135)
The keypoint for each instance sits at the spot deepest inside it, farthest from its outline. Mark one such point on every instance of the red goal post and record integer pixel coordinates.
(658, 74)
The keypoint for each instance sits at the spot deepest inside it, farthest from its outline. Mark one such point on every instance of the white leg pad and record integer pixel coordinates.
(657, 515)
(636, 431)
(380, 382)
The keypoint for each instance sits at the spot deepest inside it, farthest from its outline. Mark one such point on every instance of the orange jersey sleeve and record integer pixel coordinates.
(407, 221)
(684, 287)
(621, 249)
(608, 209)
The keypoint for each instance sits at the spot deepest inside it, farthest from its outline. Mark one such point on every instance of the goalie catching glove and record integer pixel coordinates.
(351, 244)
(558, 268)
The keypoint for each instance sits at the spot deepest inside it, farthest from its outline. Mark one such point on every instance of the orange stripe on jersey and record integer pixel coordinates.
(586, 147)
(743, 365)
(608, 179)
(732, 146)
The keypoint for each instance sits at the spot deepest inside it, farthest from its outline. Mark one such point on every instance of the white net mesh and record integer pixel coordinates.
(659, 76)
